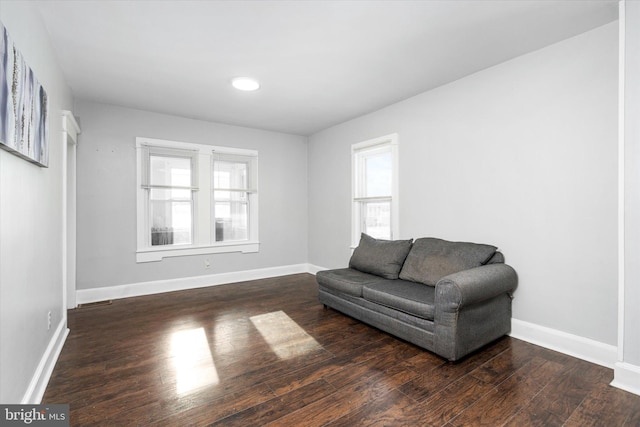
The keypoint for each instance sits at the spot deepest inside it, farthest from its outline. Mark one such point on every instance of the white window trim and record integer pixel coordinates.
(391, 140)
(202, 208)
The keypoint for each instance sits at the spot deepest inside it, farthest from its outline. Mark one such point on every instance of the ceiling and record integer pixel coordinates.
(320, 63)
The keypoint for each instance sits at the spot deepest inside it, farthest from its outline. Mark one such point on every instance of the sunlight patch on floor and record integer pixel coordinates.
(192, 360)
(284, 336)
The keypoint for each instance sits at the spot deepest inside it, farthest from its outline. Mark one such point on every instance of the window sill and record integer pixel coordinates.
(157, 254)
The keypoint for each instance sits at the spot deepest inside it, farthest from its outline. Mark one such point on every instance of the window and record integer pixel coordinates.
(170, 185)
(195, 199)
(375, 184)
(232, 187)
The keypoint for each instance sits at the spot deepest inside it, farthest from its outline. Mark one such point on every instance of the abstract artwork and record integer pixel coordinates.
(23, 106)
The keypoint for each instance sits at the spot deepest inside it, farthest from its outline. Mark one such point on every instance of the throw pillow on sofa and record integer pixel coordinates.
(380, 257)
(431, 259)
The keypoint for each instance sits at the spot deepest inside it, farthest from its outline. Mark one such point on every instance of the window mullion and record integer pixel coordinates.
(201, 209)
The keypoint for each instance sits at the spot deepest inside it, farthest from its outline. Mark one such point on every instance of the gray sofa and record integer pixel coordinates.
(450, 298)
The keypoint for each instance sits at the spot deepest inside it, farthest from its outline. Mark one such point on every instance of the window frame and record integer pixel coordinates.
(150, 151)
(358, 153)
(251, 188)
(203, 237)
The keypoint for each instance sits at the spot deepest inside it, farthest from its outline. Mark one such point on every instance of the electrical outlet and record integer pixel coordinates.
(48, 321)
(207, 263)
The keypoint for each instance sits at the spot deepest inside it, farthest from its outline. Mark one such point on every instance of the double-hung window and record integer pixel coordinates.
(233, 184)
(169, 182)
(375, 188)
(195, 199)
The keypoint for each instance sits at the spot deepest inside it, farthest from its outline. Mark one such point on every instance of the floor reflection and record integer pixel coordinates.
(192, 360)
(284, 336)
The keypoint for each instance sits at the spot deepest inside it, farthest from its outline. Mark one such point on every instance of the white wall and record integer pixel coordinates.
(522, 155)
(31, 224)
(106, 196)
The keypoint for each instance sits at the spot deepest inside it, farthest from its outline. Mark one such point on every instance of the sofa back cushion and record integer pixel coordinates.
(497, 258)
(383, 258)
(431, 259)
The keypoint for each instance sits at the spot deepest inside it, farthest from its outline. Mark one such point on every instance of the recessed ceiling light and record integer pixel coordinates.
(245, 83)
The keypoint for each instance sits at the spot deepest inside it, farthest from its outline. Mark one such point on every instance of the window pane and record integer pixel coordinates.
(230, 174)
(171, 222)
(377, 174)
(376, 219)
(170, 171)
(171, 194)
(236, 196)
(231, 216)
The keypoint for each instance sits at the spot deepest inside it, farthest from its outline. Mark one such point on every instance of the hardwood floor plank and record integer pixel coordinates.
(205, 412)
(435, 411)
(114, 407)
(280, 406)
(267, 352)
(606, 405)
(351, 342)
(382, 363)
(633, 419)
(311, 373)
(432, 382)
(346, 399)
(443, 407)
(423, 362)
(560, 398)
(536, 416)
(499, 368)
(505, 400)
(384, 411)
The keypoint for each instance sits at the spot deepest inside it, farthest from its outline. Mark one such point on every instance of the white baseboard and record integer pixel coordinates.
(572, 345)
(84, 296)
(41, 376)
(627, 377)
(313, 269)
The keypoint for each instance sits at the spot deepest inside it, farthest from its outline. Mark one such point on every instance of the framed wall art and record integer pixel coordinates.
(23, 106)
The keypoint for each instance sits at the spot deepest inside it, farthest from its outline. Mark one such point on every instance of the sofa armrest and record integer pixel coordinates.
(473, 308)
(468, 287)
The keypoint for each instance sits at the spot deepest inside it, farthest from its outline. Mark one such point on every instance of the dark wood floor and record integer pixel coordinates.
(266, 352)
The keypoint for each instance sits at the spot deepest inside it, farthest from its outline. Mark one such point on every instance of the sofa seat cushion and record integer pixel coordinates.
(432, 259)
(346, 280)
(409, 297)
